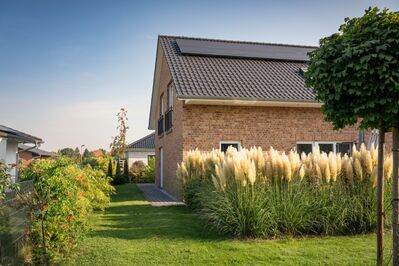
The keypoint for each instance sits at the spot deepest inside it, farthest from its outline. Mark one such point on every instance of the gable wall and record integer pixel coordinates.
(171, 142)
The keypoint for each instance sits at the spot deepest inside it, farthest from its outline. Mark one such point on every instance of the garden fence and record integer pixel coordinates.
(14, 223)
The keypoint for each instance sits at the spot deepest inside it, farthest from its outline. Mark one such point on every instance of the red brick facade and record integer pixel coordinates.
(204, 126)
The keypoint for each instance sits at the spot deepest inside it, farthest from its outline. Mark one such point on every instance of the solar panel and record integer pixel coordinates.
(243, 50)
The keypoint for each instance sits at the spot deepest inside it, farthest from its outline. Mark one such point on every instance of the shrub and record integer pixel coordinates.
(66, 195)
(137, 170)
(149, 171)
(252, 193)
(118, 178)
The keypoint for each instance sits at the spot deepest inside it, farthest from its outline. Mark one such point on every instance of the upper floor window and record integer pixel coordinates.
(170, 95)
(161, 111)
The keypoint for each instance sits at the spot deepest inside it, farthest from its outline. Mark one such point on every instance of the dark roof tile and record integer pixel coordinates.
(145, 143)
(200, 76)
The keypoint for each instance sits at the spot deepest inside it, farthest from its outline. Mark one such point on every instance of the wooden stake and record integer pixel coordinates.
(380, 197)
(395, 196)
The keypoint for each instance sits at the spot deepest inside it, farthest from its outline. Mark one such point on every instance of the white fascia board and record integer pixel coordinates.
(252, 103)
(155, 86)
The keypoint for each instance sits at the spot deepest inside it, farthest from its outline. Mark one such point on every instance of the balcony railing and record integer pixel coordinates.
(161, 125)
(169, 119)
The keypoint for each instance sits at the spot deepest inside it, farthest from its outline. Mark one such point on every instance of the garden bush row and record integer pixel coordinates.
(252, 193)
(65, 195)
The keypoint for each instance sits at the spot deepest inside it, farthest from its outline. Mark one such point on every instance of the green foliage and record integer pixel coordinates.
(67, 195)
(87, 154)
(5, 179)
(110, 171)
(126, 171)
(355, 72)
(141, 173)
(149, 171)
(118, 178)
(291, 209)
(118, 145)
(175, 236)
(70, 153)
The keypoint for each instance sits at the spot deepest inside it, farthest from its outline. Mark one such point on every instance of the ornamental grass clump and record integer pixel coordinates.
(256, 193)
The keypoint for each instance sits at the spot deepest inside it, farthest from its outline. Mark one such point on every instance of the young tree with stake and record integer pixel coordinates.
(355, 73)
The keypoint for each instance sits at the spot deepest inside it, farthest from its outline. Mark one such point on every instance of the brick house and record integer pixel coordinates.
(141, 150)
(27, 154)
(214, 93)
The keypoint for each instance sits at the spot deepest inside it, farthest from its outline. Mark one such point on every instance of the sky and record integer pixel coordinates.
(67, 67)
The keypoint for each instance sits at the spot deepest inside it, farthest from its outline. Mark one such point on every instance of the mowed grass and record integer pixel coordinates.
(131, 232)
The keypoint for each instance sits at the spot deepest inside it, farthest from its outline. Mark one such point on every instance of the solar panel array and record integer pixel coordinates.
(244, 50)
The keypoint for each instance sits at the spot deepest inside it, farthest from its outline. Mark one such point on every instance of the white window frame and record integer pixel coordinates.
(317, 143)
(334, 143)
(230, 142)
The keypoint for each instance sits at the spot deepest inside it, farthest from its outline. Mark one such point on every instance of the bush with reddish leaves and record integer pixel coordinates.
(66, 195)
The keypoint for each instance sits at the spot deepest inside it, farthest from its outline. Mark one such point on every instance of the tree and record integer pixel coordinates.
(110, 168)
(118, 145)
(87, 154)
(126, 171)
(70, 153)
(355, 74)
(118, 178)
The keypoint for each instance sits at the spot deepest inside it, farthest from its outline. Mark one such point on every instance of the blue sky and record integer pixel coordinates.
(66, 67)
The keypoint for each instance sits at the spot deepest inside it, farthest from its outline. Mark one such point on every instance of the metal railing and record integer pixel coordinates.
(169, 119)
(161, 125)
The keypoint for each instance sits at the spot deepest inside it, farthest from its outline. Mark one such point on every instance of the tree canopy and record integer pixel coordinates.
(118, 145)
(355, 72)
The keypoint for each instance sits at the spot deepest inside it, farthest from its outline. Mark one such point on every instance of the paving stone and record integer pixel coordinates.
(157, 197)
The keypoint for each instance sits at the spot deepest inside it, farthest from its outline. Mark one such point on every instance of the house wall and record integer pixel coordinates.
(26, 157)
(8, 153)
(172, 141)
(280, 127)
(133, 156)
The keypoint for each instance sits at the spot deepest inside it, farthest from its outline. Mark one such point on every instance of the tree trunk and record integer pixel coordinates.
(380, 197)
(395, 196)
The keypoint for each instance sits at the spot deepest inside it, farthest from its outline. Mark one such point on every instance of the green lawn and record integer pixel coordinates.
(131, 232)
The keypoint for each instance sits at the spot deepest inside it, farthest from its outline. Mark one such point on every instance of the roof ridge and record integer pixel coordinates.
(237, 41)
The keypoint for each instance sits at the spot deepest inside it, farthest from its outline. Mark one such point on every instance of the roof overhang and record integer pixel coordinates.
(21, 139)
(250, 102)
(155, 86)
(139, 150)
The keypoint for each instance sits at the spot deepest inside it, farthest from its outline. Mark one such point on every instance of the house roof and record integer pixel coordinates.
(206, 68)
(98, 153)
(35, 151)
(233, 72)
(8, 132)
(145, 143)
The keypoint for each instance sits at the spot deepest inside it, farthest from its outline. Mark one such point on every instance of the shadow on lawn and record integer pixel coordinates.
(131, 217)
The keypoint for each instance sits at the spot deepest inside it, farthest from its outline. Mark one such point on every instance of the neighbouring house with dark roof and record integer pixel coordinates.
(141, 150)
(211, 94)
(28, 153)
(9, 141)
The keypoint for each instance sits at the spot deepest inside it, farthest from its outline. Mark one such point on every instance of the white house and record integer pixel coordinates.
(141, 149)
(9, 140)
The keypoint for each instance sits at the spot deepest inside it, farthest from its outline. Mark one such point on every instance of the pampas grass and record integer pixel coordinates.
(252, 192)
